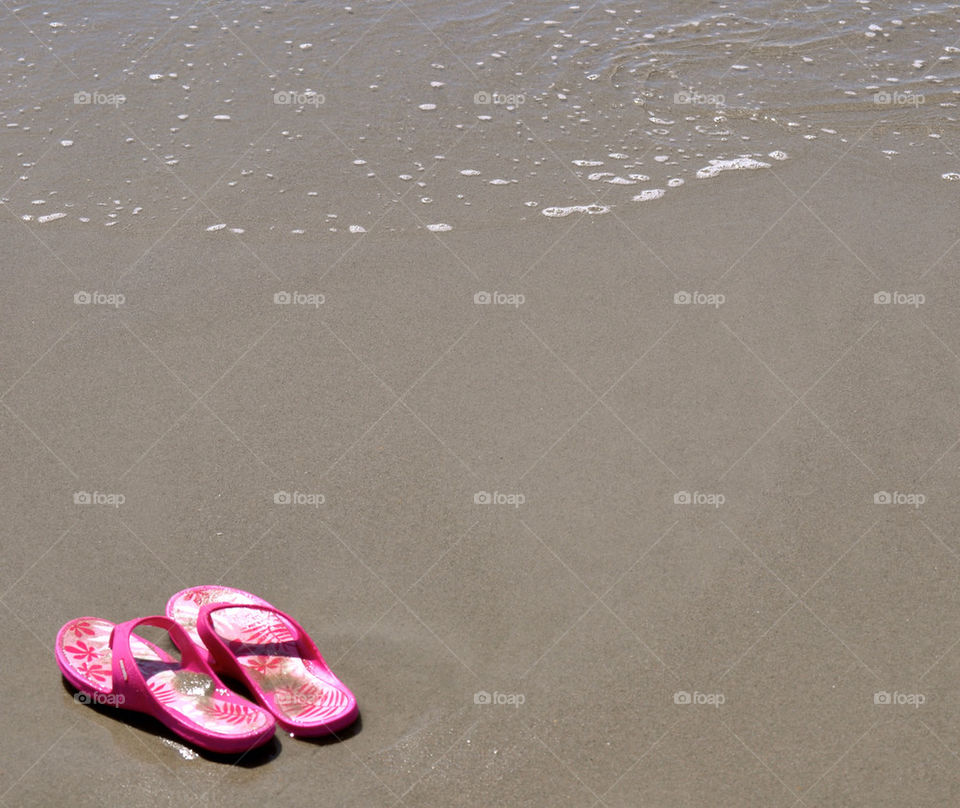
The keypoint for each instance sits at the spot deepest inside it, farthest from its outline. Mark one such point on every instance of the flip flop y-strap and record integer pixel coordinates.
(184, 607)
(128, 679)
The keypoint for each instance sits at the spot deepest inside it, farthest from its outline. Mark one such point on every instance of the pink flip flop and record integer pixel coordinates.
(111, 665)
(271, 654)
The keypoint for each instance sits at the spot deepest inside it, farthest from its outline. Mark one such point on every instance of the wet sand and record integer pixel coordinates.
(671, 480)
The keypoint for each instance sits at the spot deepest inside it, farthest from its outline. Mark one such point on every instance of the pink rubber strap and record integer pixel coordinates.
(127, 678)
(211, 639)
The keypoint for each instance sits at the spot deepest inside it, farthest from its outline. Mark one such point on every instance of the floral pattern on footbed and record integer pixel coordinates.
(302, 697)
(194, 695)
(86, 645)
(186, 608)
(297, 691)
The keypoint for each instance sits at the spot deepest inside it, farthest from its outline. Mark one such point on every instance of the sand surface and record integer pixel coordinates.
(621, 349)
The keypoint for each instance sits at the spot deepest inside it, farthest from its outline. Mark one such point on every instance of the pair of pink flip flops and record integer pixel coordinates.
(217, 629)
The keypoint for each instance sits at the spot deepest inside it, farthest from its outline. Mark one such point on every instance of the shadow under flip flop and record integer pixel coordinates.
(344, 734)
(250, 759)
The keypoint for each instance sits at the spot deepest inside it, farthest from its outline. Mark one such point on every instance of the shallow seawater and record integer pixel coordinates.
(317, 118)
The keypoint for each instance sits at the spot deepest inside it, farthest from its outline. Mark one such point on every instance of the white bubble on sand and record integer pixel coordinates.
(592, 209)
(237, 230)
(675, 182)
(221, 117)
(618, 156)
(50, 217)
(951, 175)
(716, 167)
(596, 176)
(588, 162)
(156, 76)
(650, 193)
(499, 182)
(439, 228)
(356, 228)
(428, 107)
(469, 172)
(778, 155)
(621, 181)
(215, 227)
(66, 143)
